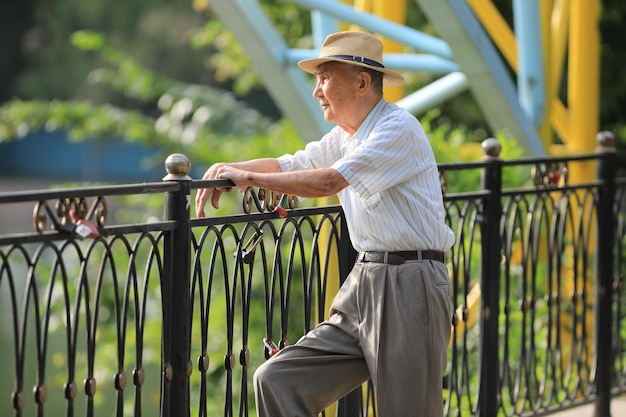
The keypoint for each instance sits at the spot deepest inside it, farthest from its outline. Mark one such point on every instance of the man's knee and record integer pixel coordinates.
(263, 376)
(259, 375)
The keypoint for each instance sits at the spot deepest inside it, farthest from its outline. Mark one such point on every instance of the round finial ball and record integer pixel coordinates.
(606, 139)
(491, 147)
(177, 164)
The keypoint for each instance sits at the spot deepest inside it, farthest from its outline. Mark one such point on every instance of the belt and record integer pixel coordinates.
(398, 258)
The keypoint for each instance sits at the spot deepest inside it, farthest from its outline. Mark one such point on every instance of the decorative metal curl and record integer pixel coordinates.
(265, 200)
(550, 175)
(247, 199)
(39, 217)
(268, 199)
(99, 211)
(60, 216)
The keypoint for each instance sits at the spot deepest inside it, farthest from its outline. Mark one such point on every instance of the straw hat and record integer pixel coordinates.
(355, 48)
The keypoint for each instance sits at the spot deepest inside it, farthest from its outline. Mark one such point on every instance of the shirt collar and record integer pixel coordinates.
(369, 122)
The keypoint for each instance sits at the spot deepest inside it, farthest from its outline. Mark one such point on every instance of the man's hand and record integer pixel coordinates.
(265, 173)
(214, 172)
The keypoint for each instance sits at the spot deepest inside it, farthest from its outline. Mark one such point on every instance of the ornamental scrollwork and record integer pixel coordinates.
(552, 174)
(267, 201)
(72, 216)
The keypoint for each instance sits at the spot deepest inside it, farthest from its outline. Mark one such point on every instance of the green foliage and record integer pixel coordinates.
(203, 122)
(81, 118)
(619, 130)
(229, 61)
(48, 66)
(455, 144)
(128, 76)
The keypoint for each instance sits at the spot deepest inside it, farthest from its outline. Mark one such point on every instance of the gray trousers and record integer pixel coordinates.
(390, 323)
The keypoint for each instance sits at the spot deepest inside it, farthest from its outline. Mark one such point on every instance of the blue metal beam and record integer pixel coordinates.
(400, 33)
(435, 93)
(531, 86)
(322, 25)
(289, 86)
(478, 64)
(489, 80)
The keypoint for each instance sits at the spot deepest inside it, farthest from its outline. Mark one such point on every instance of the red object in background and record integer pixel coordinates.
(554, 177)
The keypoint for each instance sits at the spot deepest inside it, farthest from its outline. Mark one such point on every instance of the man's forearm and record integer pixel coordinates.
(309, 183)
(258, 165)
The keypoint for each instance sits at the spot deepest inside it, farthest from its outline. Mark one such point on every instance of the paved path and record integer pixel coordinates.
(618, 409)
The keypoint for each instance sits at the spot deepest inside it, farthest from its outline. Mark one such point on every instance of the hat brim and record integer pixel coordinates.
(390, 78)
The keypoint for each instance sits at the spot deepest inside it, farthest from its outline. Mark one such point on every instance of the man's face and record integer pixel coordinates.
(336, 90)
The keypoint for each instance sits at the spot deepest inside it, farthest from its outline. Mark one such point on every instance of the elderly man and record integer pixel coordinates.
(390, 321)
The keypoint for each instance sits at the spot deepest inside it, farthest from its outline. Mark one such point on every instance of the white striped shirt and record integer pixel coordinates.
(394, 200)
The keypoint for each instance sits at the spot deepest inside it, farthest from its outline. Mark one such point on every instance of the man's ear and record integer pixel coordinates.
(365, 80)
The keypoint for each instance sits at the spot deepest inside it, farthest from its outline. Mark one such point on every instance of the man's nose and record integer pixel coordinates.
(317, 91)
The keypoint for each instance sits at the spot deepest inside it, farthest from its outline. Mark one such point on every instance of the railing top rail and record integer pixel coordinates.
(455, 166)
(195, 184)
(552, 159)
(104, 190)
(97, 191)
(159, 187)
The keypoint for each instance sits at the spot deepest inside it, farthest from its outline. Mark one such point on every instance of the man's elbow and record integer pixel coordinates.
(332, 182)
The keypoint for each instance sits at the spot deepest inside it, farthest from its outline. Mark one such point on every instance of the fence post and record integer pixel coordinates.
(175, 281)
(604, 272)
(490, 280)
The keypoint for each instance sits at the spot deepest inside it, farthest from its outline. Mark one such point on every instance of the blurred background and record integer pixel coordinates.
(93, 93)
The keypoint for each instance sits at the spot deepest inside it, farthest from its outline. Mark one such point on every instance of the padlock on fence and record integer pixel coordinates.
(279, 210)
(247, 251)
(84, 228)
(270, 348)
(66, 226)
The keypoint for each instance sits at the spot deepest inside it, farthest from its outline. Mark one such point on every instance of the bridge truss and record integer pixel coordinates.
(518, 74)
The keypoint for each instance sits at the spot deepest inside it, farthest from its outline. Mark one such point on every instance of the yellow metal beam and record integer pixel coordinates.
(545, 130)
(497, 28)
(584, 74)
(555, 57)
(394, 11)
(567, 25)
(583, 96)
(467, 313)
(560, 119)
(363, 5)
(559, 28)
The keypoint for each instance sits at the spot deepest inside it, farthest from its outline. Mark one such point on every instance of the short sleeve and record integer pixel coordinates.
(394, 151)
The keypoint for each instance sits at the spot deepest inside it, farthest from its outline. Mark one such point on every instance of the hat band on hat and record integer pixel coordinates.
(359, 59)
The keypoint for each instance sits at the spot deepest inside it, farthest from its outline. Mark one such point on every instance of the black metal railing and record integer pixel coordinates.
(171, 317)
